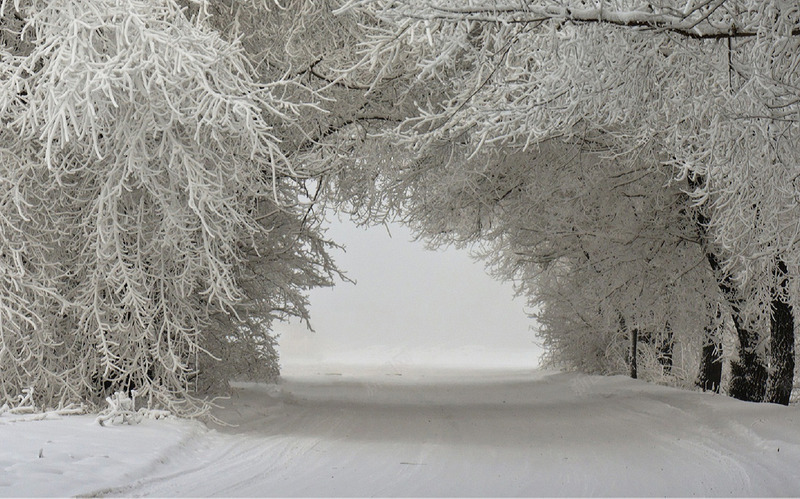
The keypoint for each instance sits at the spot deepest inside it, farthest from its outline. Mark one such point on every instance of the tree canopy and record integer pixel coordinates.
(702, 95)
(631, 165)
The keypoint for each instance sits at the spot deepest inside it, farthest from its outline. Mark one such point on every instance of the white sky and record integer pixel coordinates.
(409, 307)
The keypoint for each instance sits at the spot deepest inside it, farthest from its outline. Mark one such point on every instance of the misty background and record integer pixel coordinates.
(410, 307)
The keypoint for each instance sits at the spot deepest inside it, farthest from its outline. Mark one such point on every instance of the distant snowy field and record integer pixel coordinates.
(383, 432)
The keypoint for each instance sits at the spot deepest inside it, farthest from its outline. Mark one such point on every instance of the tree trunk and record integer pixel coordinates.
(781, 377)
(749, 373)
(634, 344)
(665, 350)
(710, 377)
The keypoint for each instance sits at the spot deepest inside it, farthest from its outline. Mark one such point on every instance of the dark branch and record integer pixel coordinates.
(685, 25)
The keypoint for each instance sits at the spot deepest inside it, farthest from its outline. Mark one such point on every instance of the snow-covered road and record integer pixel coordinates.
(489, 433)
(485, 434)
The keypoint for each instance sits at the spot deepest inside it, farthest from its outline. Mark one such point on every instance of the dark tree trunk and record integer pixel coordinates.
(749, 373)
(634, 343)
(665, 349)
(633, 338)
(781, 378)
(710, 377)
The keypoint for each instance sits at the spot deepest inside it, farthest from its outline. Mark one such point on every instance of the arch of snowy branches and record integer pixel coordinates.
(631, 166)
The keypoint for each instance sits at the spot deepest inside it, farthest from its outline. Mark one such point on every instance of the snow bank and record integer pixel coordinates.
(67, 456)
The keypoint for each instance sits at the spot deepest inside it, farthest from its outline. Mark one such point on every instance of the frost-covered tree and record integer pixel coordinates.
(152, 224)
(591, 242)
(706, 91)
(308, 42)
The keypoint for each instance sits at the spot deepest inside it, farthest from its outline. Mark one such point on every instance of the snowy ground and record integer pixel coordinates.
(380, 433)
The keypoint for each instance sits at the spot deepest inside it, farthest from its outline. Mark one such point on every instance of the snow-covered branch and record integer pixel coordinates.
(709, 19)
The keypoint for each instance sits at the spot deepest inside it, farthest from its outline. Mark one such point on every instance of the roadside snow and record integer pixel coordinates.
(489, 433)
(67, 456)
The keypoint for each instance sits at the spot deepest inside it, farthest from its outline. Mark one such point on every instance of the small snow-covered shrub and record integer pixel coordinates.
(122, 410)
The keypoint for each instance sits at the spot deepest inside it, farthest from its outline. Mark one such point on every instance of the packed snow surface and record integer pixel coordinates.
(480, 433)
